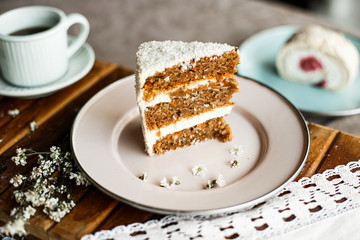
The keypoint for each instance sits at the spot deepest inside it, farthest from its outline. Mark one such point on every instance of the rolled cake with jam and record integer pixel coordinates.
(318, 56)
(183, 92)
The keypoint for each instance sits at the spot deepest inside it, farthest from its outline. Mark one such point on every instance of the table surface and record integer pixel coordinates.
(117, 28)
(96, 211)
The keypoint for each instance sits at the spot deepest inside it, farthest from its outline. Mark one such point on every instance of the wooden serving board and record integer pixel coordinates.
(94, 210)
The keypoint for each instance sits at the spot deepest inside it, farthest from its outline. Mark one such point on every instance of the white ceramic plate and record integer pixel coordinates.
(258, 55)
(80, 64)
(108, 145)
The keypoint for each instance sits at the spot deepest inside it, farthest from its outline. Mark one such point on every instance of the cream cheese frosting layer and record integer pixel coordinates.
(165, 95)
(155, 56)
(152, 136)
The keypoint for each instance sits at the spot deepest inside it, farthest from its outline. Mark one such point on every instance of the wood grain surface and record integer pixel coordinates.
(96, 211)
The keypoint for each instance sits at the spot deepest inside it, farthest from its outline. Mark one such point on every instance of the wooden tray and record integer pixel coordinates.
(96, 211)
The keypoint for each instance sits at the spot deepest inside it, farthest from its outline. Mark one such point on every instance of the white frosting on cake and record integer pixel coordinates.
(338, 56)
(165, 95)
(152, 136)
(155, 56)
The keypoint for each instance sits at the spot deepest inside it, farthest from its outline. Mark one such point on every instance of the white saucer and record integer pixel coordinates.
(108, 147)
(80, 64)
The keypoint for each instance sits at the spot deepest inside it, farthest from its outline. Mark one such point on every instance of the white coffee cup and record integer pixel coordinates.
(40, 58)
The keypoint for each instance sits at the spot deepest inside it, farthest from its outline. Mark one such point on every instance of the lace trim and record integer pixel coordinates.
(300, 204)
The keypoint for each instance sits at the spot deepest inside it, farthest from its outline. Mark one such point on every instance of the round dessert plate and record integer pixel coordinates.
(258, 55)
(107, 143)
(80, 64)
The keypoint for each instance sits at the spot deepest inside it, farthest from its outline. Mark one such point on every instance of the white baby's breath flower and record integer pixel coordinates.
(17, 180)
(67, 155)
(30, 196)
(210, 184)
(60, 210)
(14, 211)
(29, 211)
(33, 197)
(55, 152)
(199, 170)
(23, 161)
(51, 189)
(79, 178)
(36, 173)
(67, 167)
(13, 112)
(51, 203)
(19, 196)
(46, 165)
(68, 164)
(234, 163)
(175, 181)
(40, 188)
(164, 183)
(41, 200)
(20, 151)
(58, 214)
(218, 182)
(20, 158)
(72, 204)
(16, 160)
(62, 189)
(237, 150)
(33, 126)
(144, 176)
(14, 227)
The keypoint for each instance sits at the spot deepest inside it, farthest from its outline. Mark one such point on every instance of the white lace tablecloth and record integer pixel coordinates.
(325, 206)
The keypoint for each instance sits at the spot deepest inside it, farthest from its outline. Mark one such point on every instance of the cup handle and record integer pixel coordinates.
(76, 18)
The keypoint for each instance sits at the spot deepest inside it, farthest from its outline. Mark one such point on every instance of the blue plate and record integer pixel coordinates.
(257, 57)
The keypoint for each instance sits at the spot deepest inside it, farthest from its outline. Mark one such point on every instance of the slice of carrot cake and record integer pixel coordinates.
(183, 91)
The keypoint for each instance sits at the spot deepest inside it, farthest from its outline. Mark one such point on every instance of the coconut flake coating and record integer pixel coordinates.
(155, 56)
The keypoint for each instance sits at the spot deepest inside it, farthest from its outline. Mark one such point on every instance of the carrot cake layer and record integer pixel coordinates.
(212, 129)
(206, 67)
(185, 103)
